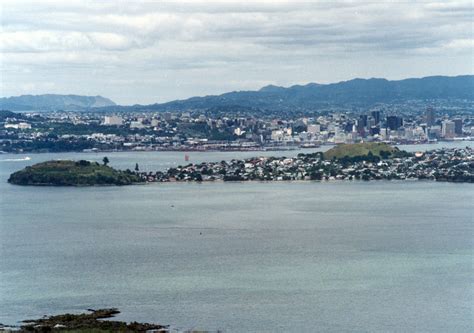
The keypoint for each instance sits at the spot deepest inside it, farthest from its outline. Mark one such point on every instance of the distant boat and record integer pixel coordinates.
(27, 158)
(310, 145)
(186, 157)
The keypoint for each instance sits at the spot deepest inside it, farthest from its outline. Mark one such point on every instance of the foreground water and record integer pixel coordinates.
(300, 256)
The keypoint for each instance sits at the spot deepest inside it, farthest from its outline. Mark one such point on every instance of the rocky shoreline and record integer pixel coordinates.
(93, 321)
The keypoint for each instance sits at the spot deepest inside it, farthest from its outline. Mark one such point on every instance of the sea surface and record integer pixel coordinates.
(252, 256)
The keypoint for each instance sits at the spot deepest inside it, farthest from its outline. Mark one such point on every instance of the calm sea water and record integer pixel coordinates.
(265, 257)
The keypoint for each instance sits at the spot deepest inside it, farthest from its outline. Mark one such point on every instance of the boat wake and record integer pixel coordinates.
(27, 158)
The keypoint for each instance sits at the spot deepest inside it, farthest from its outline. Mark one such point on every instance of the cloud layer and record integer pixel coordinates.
(144, 52)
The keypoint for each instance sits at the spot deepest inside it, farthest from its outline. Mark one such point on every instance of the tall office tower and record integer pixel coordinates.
(376, 116)
(430, 116)
(458, 126)
(394, 122)
(348, 127)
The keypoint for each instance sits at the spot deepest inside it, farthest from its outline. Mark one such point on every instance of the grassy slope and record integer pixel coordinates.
(358, 149)
(71, 173)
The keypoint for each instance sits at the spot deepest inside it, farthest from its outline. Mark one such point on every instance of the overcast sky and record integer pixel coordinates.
(146, 52)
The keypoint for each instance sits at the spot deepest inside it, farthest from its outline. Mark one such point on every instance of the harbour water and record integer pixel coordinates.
(263, 257)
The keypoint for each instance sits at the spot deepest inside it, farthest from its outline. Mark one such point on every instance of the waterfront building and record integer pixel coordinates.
(458, 126)
(314, 129)
(435, 132)
(277, 135)
(447, 129)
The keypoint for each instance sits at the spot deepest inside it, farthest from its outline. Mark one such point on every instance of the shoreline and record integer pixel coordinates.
(263, 149)
(99, 320)
(365, 162)
(288, 181)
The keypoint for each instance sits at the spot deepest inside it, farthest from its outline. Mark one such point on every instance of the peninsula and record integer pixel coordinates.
(71, 173)
(361, 161)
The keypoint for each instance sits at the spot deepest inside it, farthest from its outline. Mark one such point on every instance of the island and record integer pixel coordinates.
(93, 321)
(73, 173)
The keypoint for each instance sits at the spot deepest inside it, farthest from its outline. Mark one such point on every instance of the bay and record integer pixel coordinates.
(259, 257)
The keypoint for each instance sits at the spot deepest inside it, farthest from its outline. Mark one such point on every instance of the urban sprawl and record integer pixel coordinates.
(200, 131)
(452, 165)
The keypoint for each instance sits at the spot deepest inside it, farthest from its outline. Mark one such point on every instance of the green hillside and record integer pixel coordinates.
(71, 173)
(379, 149)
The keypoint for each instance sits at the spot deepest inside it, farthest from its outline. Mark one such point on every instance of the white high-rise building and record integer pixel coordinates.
(447, 130)
(113, 121)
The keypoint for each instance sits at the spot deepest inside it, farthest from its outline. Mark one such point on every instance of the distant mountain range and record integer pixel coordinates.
(357, 91)
(299, 97)
(51, 102)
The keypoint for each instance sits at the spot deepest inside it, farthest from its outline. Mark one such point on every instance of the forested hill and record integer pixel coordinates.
(53, 102)
(312, 95)
(273, 98)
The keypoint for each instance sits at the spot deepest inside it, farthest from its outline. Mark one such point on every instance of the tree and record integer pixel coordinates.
(136, 167)
(105, 160)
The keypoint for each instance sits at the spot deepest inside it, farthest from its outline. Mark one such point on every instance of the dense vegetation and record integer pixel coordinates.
(366, 151)
(316, 96)
(71, 173)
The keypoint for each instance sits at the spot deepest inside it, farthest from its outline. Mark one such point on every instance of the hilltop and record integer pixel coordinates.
(358, 91)
(52, 102)
(311, 96)
(378, 149)
(71, 173)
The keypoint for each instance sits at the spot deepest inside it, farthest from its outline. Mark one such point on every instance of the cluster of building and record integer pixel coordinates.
(196, 131)
(455, 165)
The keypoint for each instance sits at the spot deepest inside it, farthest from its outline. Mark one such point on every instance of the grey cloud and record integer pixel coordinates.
(233, 42)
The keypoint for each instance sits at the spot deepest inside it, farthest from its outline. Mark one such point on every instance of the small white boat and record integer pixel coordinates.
(27, 158)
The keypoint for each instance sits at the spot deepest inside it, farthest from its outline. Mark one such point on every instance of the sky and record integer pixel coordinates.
(144, 52)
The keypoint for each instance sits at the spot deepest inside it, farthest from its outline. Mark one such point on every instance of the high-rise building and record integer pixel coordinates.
(374, 130)
(394, 122)
(348, 127)
(458, 126)
(430, 116)
(113, 120)
(376, 116)
(447, 129)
